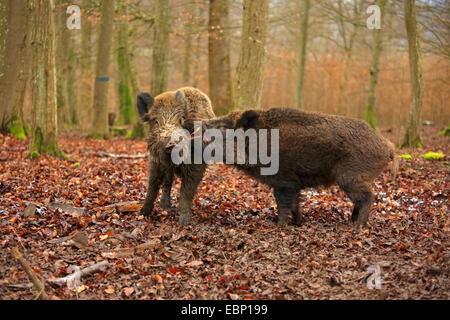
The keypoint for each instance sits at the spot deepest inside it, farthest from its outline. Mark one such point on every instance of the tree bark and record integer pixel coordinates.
(86, 85)
(412, 134)
(125, 102)
(220, 88)
(18, 125)
(375, 69)
(161, 48)
(9, 69)
(99, 127)
(299, 101)
(250, 68)
(44, 130)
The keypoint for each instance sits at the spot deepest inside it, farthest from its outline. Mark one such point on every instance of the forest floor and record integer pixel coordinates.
(233, 249)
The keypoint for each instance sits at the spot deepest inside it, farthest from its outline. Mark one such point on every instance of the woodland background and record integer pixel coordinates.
(66, 202)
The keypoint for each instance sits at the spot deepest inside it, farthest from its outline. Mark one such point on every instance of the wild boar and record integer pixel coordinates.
(314, 150)
(165, 114)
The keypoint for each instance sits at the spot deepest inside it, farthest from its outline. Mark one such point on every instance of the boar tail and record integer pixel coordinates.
(394, 158)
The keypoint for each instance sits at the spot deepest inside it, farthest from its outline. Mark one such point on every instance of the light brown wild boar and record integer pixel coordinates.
(315, 150)
(166, 113)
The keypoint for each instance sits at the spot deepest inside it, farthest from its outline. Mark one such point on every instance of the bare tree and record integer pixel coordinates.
(412, 134)
(375, 69)
(220, 88)
(304, 18)
(12, 34)
(44, 128)
(250, 68)
(99, 128)
(161, 48)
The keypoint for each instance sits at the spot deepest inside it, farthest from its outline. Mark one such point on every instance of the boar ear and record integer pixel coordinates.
(248, 119)
(179, 96)
(144, 102)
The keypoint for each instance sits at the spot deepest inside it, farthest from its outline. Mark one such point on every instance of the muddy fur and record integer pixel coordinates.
(316, 150)
(165, 113)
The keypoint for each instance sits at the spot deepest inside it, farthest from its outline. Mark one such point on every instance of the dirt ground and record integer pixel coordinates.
(233, 249)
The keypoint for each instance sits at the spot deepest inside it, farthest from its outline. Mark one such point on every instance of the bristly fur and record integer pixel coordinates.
(316, 150)
(166, 113)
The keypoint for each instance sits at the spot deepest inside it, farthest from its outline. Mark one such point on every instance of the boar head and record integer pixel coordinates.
(165, 113)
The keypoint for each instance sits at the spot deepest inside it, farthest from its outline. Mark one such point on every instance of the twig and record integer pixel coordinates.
(74, 278)
(129, 251)
(31, 274)
(125, 156)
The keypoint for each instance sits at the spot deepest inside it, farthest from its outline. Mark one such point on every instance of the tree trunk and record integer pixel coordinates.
(250, 68)
(18, 126)
(86, 74)
(99, 127)
(412, 134)
(13, 38)
(138, 130)
(3, 32)
(62, 63)
(374, 70)
(161, 48)
(220, 88)
(125, 102)
(187, 57)
(302, 53)
(44, 132)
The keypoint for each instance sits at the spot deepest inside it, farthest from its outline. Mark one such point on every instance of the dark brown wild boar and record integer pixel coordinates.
(315, 150)
(166, 113)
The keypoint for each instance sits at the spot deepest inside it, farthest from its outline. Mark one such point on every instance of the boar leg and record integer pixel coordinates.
(285, 197)
(154, 182)
(189, 183)
(362, 198)
(164, 201)
(296, 214)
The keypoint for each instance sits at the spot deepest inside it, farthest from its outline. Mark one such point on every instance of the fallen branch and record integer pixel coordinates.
(31, 274)
(124, 156)
(73, 280)
(129, 251)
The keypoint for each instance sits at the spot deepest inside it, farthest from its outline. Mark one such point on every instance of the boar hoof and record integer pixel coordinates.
(184, 220)
(299, 220)
(282, 221)
(164, 203)
(146, 211)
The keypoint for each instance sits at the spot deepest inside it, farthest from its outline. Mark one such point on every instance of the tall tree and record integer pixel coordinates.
(99, 127)
(250, 68)
(44, 129)
(375, 68)
(161, 48)
(304, 18)
(18, 126)
(188, 30)
(66, 64)
(220, 88)
(125, 101)
(86, 74)
(412, 134)
(12, 34)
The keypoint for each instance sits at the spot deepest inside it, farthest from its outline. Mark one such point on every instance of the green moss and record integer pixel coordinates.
(433, 155)
(77, 164)
(18, 132)
(405, 156)
(370, 117)
(33, 155)
(138, 131)
(445, 132)
(118, 131)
